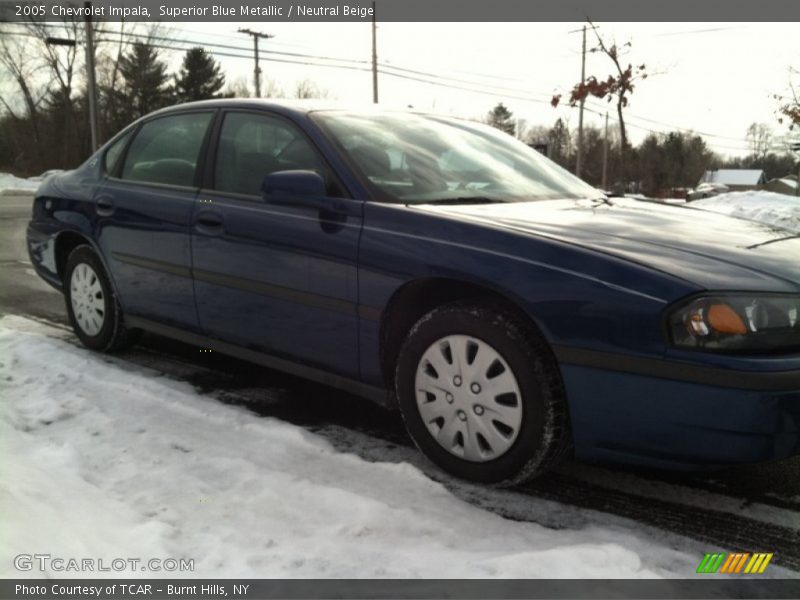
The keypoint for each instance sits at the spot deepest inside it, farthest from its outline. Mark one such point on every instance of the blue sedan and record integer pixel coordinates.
(515, 315)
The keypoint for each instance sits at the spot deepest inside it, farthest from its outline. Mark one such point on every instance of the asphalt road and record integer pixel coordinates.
(751, 508)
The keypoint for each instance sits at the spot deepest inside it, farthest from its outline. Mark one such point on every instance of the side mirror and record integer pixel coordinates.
(291, 186)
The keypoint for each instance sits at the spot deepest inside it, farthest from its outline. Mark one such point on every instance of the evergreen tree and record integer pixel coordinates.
(199, 77)
(501, 118)
(559, 144)
(145, 80)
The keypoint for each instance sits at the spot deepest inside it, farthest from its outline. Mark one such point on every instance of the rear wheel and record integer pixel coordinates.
(93, 309)
(481, 394)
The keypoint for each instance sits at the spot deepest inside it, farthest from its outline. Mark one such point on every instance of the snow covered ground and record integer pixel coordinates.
(10, 184)
(770, 208)
(102, 459)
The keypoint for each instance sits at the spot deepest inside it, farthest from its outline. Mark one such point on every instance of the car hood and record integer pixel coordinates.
(710, 250)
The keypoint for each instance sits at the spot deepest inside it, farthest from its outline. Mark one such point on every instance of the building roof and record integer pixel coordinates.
(735, 176)
(789, 182)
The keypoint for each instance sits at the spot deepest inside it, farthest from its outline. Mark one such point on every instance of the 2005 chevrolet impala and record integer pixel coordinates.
(512, 312)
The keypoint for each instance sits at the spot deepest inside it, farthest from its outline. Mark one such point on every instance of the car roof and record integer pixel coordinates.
(294, 107)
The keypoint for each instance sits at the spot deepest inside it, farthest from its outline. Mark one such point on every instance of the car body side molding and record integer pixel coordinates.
(257, 287)
(772, 381)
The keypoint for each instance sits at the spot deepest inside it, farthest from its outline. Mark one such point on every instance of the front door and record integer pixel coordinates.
(278, 277)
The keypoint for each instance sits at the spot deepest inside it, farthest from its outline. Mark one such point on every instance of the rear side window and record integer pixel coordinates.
(252, 146)
(166, 150)
(114, 153)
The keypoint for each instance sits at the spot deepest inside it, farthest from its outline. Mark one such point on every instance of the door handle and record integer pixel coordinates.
(104, 206)
(209, 222)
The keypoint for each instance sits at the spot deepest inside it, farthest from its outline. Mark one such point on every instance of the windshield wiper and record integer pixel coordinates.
(462, 200)
(780, 239)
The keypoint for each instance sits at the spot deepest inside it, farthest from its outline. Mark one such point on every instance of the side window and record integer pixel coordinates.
(252, 146)
(166, 150)
(114, 152)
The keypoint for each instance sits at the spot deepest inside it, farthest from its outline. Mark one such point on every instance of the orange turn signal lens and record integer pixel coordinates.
(724, 319)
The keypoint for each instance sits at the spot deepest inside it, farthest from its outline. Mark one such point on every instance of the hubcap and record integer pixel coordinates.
(88, 300)
(468, 398)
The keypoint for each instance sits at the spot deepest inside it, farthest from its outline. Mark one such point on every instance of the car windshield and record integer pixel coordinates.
(411, 158)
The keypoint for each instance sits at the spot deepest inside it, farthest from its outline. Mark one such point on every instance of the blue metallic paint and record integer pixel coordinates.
(591, 275)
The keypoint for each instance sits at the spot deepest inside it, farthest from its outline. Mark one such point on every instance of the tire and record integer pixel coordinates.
(93, 310)
(512, 429)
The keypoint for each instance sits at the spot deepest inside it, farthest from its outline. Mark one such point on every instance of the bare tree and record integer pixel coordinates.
(271, 88)
(789, 103)
(17, 57)
(61, 62)
(308, 89)
(617, 86)
(759, 138)
(112, 40)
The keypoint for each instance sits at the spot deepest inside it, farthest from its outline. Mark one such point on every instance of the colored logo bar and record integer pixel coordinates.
(735, 563)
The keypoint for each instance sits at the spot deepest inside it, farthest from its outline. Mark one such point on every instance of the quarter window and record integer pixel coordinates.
(166, 150)
(114, 153)
(252, 146)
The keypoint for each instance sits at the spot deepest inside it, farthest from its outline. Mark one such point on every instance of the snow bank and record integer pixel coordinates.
(778, 210)
(99, 459)
(11, 184)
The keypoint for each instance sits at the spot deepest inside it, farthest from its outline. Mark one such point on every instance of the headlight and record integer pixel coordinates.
(743, 322)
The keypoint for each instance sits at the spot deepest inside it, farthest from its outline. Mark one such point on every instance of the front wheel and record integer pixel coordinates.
(481, 394)
(93, 309)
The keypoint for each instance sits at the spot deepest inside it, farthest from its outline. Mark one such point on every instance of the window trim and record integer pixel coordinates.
(208, 181)
(201, 156)
(130, 130)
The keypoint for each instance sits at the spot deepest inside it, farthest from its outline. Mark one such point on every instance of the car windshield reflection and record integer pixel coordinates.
(412, 158)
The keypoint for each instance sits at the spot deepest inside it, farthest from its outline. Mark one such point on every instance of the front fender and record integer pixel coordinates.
(578, 298)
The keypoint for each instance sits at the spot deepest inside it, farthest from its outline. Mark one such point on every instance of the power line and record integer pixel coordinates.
(468, 89)
(387, 65)
(399, 72)
(687, 129)
(131, 34)
(649, 130)
(693, 31)
(354, 64)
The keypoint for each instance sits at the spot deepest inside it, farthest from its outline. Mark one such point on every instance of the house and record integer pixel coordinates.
(785, 185)
(736, 179)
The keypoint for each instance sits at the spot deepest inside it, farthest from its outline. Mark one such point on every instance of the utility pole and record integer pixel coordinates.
(579, 158)
(605, 156)
(90, 77)
(795, 148)
(374, 56)
(257, 71)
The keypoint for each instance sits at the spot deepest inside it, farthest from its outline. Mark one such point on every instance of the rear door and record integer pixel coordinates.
(276, 277)
(144, 213)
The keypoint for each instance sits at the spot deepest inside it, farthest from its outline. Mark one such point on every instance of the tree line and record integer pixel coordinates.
(658, 166)
(44, 109)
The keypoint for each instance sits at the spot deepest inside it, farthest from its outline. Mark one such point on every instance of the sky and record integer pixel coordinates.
(713, 78)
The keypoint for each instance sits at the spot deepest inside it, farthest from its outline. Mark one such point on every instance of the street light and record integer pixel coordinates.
(90, 80)
(54, 41)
